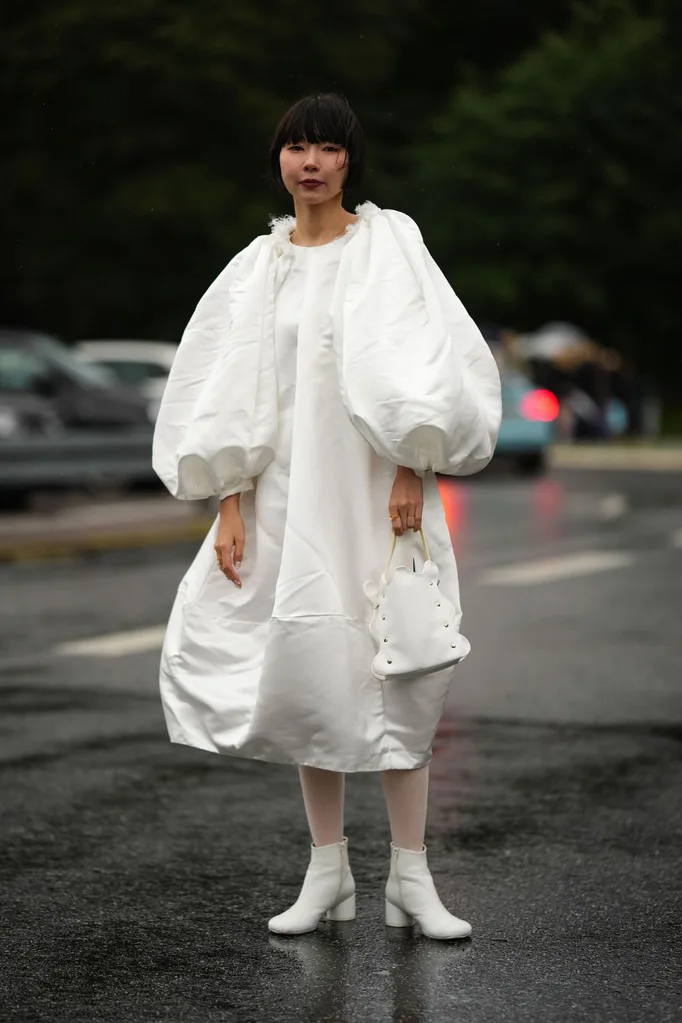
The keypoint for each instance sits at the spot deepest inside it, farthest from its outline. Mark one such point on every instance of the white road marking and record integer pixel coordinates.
(527, 573)
(612, 506)
(116, 644)
(544, 570)
(676, 538)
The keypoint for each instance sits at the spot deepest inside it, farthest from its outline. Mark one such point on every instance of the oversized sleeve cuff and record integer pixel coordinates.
(236, 488)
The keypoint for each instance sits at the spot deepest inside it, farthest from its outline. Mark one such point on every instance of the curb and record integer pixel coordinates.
(606, 456)
(107, 540)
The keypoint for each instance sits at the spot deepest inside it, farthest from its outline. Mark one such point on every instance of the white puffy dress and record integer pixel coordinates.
(280, 669)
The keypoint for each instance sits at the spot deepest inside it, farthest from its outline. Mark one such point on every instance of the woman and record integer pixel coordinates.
(324, 377)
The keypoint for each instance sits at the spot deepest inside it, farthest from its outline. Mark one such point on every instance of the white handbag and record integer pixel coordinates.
(414, 625)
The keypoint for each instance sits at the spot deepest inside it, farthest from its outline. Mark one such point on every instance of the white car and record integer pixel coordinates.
(143, 366)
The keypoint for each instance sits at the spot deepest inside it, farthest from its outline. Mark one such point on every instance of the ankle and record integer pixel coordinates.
(412, 847)
(326, 840)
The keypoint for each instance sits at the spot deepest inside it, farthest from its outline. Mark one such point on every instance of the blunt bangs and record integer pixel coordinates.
(325, 117)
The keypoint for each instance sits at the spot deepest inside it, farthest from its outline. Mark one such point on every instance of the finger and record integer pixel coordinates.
(395, 519)
(225, 565)
(231, 570)
(418, 512)
(403, 517)
(238, 551)
(230, 573)
(410, 516)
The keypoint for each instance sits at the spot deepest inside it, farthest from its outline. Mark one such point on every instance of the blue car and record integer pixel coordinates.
(527, 429)
(528, 411)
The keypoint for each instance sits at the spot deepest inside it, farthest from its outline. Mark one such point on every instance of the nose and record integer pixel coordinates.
(311, 161)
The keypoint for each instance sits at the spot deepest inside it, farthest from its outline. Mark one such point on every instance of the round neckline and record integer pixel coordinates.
(324, 245)
(339, 238)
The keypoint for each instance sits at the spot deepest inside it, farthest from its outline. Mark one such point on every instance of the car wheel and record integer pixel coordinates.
(532, 464)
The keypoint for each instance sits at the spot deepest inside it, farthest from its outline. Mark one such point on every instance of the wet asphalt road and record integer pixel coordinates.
(137, 877)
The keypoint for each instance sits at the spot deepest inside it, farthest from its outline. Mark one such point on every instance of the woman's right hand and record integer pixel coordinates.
(229, 542)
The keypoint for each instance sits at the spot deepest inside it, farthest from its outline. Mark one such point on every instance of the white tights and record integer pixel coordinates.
(405, 792)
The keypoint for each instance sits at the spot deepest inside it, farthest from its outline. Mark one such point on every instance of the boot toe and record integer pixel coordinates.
(448, 931)
(285, 924)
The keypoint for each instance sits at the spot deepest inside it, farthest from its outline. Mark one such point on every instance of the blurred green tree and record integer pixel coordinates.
(553, 192)
(136, 133)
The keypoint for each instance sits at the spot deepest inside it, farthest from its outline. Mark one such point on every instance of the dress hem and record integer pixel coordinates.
(391, 760)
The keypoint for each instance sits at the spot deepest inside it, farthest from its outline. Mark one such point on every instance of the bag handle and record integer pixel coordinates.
(393, 543)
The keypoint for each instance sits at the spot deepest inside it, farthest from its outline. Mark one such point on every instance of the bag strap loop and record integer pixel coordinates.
(393, 543)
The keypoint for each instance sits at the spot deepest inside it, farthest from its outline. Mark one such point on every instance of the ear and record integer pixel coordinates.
(372, 591)
(430, 570)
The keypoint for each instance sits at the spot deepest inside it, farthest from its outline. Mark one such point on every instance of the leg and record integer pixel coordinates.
(323, 798)
(410, 892)
(406, 794)
(328, 887)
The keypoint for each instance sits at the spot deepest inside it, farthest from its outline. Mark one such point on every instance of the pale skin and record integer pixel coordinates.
(320, 218)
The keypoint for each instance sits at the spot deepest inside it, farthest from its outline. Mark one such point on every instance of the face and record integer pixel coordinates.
(313, 172)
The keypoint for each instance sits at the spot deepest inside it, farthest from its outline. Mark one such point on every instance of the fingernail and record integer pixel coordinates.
(237, 564)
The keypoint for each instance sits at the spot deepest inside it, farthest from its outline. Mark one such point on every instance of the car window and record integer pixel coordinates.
(133, 371)
(69, 364)
(21, 369)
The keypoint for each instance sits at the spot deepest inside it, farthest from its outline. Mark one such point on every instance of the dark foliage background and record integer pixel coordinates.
(538, 143)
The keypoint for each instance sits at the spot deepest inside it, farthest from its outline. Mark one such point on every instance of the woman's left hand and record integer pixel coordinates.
(407, 501)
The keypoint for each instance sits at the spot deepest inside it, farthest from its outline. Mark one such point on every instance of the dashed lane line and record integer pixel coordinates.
(527, 573)
(612, 506)
(116, 644)
(545, 570)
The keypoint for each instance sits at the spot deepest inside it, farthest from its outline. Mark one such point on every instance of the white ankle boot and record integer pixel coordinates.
(328, 888)
(411, 895)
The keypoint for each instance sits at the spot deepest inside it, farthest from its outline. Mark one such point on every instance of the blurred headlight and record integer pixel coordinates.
(10, 424)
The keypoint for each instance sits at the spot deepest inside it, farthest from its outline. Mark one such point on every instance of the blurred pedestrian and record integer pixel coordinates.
(324, 378)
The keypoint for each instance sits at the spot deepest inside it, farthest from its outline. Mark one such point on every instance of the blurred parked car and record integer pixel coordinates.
(64, 423)
(529, 412)
(77, 395)
(141, 366)
(25, 415)
(528, 415)
(599, 392)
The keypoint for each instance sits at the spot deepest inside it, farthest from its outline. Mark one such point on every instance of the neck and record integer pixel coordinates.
(321, 223)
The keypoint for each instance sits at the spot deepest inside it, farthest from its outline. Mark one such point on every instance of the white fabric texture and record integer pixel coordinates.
(270, 395)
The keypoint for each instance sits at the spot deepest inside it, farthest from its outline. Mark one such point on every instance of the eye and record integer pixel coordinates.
(333, 149)
(294, 145)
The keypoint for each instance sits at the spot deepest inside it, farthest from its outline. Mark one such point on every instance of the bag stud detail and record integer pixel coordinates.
(416, 645)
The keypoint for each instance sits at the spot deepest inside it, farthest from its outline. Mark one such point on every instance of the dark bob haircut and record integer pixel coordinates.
(324, 117)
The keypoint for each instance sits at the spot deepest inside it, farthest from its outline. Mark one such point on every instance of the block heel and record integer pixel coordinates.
(344, 911)
(397, 917)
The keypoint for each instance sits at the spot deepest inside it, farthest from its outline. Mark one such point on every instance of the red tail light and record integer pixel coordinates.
(541, 406)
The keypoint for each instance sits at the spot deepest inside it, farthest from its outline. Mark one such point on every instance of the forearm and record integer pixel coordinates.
(230, 504)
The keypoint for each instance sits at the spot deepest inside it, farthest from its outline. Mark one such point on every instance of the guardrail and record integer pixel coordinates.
(77, 458)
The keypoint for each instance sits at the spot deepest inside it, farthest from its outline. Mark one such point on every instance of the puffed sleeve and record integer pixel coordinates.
(418, 380)
(206, 440)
